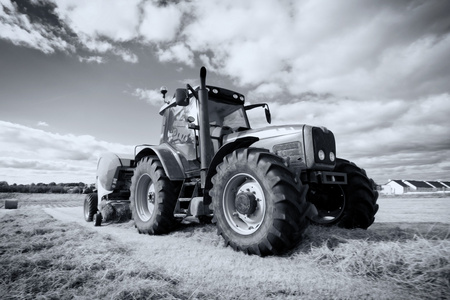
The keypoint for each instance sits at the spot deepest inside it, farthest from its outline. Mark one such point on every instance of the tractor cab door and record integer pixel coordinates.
(176, 132)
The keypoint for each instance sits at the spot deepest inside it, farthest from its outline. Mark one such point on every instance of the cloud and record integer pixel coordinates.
(152, 97)
(19, 29)
(349, 49)
(25, 150)
(72, 26)
(355, 49)
(42, 124)
(376, 73)
(115, 20)
(379, 135)
(92, 59)
(177, 53)
(160, 23)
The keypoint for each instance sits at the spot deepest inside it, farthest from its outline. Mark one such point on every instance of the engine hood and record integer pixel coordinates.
(266, 132)
(299, 143)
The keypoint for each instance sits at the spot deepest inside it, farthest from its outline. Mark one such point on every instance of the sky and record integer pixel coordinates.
(82, 77)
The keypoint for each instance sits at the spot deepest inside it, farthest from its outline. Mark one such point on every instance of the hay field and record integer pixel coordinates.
(44, 200)
(43, 257)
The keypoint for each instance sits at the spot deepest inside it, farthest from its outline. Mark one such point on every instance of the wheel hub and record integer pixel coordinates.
(245, 203)
(145, 198)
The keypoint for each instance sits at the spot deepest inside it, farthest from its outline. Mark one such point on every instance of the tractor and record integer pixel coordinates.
(261, 187)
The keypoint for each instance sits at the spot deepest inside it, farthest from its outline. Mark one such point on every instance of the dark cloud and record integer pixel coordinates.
(42, 12)
(383, 48)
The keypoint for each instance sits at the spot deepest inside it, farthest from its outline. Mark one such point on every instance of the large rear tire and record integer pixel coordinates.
(90, 206)
(349, 206)
(153, 198)
(259, 207)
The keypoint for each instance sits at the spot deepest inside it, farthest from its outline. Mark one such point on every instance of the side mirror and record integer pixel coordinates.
(266, 110)
(268, 114)
(181, 97)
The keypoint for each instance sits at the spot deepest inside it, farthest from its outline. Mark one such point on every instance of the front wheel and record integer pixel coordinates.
(259, 207)
(90, 206)
(153, 198)
(349, 206)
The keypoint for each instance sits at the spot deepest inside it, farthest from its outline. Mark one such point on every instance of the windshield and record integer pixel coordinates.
(223, 114)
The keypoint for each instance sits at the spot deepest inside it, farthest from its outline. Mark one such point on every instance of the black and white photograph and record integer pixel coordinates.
(206, 149)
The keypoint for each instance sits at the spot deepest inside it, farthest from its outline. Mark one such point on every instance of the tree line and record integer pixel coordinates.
(43, 188)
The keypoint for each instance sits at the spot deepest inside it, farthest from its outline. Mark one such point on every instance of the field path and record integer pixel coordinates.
(126, 233)
(392, 210)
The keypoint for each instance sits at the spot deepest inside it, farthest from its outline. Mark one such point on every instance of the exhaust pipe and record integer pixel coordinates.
(206, 147)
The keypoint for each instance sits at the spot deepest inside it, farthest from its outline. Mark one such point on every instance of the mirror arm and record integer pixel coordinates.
(189, 88)
(252, 106)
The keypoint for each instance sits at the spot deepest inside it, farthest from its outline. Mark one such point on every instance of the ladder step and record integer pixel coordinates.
(184, 199)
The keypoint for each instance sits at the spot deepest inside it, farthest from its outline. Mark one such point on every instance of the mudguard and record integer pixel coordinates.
(171, 161)
(218, 158)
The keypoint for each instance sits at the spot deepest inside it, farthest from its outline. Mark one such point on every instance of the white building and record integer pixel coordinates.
(395, 187)
(398, 187)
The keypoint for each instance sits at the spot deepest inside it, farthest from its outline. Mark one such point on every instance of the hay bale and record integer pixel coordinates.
(11, 204)
(123, 212)
(115, 211)
(108, 212)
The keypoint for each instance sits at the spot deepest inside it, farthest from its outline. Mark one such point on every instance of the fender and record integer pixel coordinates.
(170, 160)
(218, 158)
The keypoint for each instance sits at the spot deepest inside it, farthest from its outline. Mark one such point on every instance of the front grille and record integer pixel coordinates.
(323, 140)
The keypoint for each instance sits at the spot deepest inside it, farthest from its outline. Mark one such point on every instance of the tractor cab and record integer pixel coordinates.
(226, 111)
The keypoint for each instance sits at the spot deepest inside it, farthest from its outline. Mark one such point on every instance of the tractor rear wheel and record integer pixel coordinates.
(259, 207)
(349, 206)
(152, 198)
(90, 206)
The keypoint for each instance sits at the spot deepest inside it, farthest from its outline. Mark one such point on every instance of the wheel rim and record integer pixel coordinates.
(330, 204)
(145, 198)
(244, 224)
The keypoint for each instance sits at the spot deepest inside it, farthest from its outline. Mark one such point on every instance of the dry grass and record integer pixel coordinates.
(48, 259)
(43, 199)
(418, 262)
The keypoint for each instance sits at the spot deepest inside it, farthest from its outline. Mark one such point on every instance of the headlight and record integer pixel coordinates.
(332, 156)
(321, 155)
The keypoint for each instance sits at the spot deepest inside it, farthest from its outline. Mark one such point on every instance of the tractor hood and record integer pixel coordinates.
(266, 132)
(305, 145)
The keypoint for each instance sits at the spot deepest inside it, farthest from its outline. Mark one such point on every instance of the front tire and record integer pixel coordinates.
(153, 198)
(259, 207)
(90, 206)
(348, 206)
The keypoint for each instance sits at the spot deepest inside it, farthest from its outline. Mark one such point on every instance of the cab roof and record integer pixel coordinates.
(216, 94)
